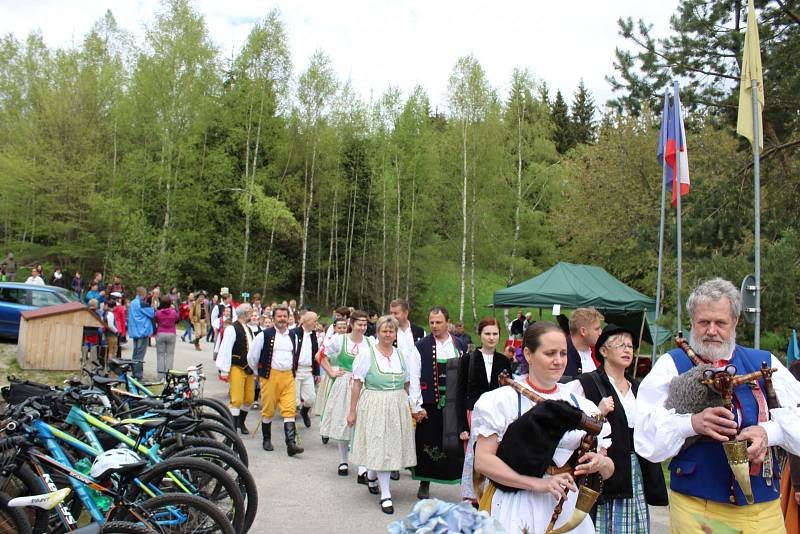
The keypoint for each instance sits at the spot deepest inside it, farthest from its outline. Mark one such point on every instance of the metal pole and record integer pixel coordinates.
(660, 246)
(677, 184)
(757, 209)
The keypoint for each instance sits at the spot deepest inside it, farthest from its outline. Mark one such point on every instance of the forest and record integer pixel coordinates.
(166, 160)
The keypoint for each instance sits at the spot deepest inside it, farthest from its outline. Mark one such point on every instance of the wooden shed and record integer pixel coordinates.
(51, 337)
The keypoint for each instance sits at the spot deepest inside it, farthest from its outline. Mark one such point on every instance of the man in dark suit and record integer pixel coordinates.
(584, 329)
(407, 333)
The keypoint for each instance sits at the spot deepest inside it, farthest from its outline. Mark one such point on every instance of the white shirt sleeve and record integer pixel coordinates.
(414, 391)
(112, 324)
(223, 361)
(254, 354)
(361, 366)
(783, 430)
(214, 315)
(659, 433)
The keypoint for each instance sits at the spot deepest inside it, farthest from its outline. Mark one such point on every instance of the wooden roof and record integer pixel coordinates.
(58, 309)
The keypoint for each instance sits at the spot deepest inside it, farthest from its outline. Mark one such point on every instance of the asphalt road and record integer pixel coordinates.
(304, 493)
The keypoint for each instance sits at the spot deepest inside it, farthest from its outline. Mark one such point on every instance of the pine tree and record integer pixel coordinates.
(583, 124)
(562, 126)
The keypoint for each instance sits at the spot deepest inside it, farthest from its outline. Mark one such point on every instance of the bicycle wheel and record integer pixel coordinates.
(237, 470)
(12, 520)
(181, 513)
(216, 418)
(215, 431)
(208, 404)
(203, 478)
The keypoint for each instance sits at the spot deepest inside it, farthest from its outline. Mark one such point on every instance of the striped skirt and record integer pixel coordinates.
(626, 516)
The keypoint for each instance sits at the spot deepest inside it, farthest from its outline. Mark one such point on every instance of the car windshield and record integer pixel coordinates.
(70, 296)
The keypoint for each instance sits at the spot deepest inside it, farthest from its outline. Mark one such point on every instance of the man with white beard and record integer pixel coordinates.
(703, 489)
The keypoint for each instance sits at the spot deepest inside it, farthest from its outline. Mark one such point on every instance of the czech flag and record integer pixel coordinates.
(672, 147)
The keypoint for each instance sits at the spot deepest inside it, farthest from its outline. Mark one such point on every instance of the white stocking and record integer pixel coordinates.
(342, 451)
(383, 480)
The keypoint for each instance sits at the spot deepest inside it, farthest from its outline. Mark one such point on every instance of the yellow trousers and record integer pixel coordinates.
(278, 390)
(243, 389)
(690, 515)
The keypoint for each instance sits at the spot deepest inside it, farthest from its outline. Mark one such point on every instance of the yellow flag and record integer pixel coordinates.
(751, 70)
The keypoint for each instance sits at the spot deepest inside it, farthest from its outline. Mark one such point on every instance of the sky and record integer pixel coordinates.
(381, 43)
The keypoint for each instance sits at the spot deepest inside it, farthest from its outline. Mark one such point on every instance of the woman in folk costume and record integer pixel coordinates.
(340, 327)
(233, 368)
(477, 374)
(504, 418)
(383, 439)
(636, 482)
(336, 358)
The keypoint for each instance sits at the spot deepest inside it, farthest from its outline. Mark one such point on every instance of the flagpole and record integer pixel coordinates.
(676, 183)
(757, 208)
(660, 245)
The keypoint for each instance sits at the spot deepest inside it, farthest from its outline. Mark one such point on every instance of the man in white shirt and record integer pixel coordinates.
(307, 366)
(584, 329)
(407, 333)
(274, 356)
(34, 278)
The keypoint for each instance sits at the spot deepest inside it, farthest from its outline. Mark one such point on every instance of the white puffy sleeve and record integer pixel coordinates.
(361, 365)
(783, 430)
(223, 360)
(659, 433)
(494, 411)
(414, 390)
(254, 354)
(333, 344)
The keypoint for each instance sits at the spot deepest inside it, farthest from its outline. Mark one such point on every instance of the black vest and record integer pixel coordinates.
(431, 373)
(596, 385)
(242, 344)
(265, 360)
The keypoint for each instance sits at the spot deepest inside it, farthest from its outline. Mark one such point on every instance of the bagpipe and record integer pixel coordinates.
(530, 441)
(705, 386)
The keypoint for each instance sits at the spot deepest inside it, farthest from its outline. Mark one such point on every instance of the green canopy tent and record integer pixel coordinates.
(575, 286)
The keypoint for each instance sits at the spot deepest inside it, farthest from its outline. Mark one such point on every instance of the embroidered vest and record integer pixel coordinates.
(702, 470)
(433, 373)
(265, 360)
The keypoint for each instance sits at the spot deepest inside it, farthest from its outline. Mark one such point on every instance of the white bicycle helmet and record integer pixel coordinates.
(112, 460)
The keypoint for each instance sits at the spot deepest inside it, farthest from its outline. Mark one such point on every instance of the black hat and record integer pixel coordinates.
(529, 442)
(611, 330)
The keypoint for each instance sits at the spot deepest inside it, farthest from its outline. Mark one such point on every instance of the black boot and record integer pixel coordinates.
(266, 437)
(424, 491)
(240, 422)
(306, 418)
(291, 437)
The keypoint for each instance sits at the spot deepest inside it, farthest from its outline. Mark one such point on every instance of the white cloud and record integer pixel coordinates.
(378, 43)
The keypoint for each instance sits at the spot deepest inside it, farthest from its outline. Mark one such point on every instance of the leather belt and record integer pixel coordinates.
(553, 470)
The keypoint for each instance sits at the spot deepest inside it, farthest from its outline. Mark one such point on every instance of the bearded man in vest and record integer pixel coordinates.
(275, 356)
(704, 491)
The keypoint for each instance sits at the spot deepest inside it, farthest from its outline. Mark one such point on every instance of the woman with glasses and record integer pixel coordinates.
(636, 482)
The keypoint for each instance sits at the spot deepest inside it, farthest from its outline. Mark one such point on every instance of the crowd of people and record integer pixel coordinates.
(508, 425)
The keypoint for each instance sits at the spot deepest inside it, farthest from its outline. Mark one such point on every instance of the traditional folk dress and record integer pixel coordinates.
(702, 484)
(232, 359)
(340, 351)
(433, 368)
(383, 437)
(528, 511)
